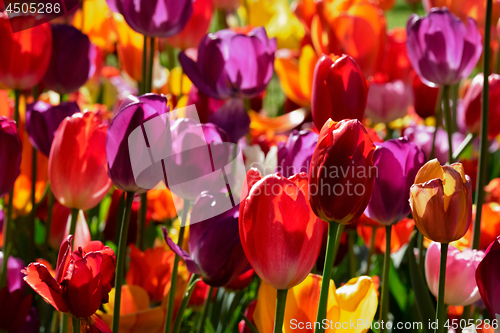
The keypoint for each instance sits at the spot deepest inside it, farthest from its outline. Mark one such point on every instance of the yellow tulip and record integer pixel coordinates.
(296, 77)
(356, 300)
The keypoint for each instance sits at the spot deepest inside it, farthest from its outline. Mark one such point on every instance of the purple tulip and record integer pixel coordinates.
(42, 121)
(72, 62)
(488, 278)
(295, 155)
(230, 64)
(215, 250)
(14, 276)
(388, 101)
(397, 162)
(422, 136)
(10, 155)
(157, 18)
(441, 49)
(233, 118)
(133, 112)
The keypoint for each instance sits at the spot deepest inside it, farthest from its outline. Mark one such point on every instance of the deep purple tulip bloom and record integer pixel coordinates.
(190, 159)
(14, 276)
(295, 155)
(397, 162)
(42, 121)
(488, 278)
(72, 62)
(156, 18)
(233, 118)
(215, 250)
(10, 155)
(441, 49)
(133, 112)
(230, 64)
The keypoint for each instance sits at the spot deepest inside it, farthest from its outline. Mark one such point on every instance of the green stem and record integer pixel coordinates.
(327, 272)
(185, 301)
(120, 261)
(143, 84)
(17, 97)
(483, 150)
(76, 325)
(150, 64)
(3, 275)
(141, 232)
(442, 277)
(280, 310)
(438, 115)
(371, 250)
(221, 19)
(447, 119)
(421, 260)
(204, 312)
(64, 323)
(173, 278)
(384, 296)
(74, 219)
(467, 141)
(454, 99)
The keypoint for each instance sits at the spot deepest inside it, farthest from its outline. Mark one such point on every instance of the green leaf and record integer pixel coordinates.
(397, 288)
(422, 299)
(208, 327)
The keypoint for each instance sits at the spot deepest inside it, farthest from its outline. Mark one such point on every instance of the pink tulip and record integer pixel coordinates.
(460, 286)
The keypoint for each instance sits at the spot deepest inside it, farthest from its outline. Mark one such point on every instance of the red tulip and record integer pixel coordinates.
(82, 278)
(78, 172)
(25, 54)
(396, 63)
(342, 172)
(424, 97)
(196, 28)
(473, 101)
(488, 278)
(339, 90)
(279, 233)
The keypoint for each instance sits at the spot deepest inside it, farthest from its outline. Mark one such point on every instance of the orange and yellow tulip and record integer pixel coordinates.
(129, 47)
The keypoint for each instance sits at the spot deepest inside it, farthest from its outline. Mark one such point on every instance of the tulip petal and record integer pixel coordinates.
(191, 265)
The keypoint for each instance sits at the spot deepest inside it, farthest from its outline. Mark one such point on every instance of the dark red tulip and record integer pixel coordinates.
(488, 278)
(424, 97)
(10, 155)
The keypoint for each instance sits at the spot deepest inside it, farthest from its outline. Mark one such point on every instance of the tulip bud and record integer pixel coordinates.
(279, 233)
(77, 162)
(441, 201)
(339, 90)
(424, 97)
(473, 102)
(25, 54)
(72, 62)
(42, 121)
(342, 172)
(10, 155)
(460, 286)
(488, 278)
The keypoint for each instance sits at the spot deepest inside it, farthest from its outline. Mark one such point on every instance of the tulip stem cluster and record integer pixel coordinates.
(120, 260)
(173, 279)
(483, 150)
(185, 301)
(280, 310)
(440, 308)
(384, 297)
(204, 311)
(331, 246)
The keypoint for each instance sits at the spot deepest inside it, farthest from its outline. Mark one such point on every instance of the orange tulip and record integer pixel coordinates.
(490, 227)
(401, 233)
(296, 76)
(95, 20)
(196, 28)
(161, 204)
(356, 28)
(493, 191)
(77, 163)
(385, 5)
(129, 47)
(151, 270)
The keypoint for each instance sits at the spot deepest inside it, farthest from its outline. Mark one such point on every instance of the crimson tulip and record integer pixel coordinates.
(488, 278)
(473, 101)
(342, 171)
(196, 27)
(340, 90)
(25, 54)
(279, 233)
(82, 279)
(424, 96)
(77, 162)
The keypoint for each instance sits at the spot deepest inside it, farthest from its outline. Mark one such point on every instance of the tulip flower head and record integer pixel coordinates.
(460, 286)
(339, 90)
(441, 201)
(388, 100)
(342, 171)
(10, 155)
(488, 278)
(397, 162)
(442, 50)
(279, 233)
(82, 279)
(295, 155)
(77, 163)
